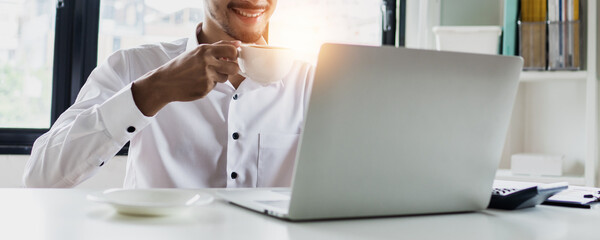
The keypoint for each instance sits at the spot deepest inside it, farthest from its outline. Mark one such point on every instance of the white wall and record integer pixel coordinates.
(110, 176)
(549, 118)
(471, 12)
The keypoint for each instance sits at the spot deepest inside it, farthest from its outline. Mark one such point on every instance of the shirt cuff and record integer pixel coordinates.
(121, 116)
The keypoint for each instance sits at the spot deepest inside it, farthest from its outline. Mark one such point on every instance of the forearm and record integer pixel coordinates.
(67, 155)
(149, 96)
(83, 138)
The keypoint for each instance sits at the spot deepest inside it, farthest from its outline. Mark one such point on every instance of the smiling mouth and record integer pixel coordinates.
(249, 13)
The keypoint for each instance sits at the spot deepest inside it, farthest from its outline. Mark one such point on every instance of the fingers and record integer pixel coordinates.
(214, 75)
(220, 60)
(236, 43)
(223, 51)
(225, 67)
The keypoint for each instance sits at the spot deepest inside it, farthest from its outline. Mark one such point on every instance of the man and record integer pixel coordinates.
(192, 121)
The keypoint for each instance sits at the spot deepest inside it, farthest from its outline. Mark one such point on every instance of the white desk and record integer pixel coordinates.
(66, 214)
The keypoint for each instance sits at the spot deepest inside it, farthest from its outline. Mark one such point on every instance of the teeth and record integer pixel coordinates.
(245, 14)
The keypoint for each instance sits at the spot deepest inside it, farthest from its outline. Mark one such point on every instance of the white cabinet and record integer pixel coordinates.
(556, 112)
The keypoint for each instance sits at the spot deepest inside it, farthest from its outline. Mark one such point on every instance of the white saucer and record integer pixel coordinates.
(151, 202)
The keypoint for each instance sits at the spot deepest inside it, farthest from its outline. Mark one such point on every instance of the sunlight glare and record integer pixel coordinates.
(305, 25)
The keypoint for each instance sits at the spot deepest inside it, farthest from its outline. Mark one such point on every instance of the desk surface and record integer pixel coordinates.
(66, 214)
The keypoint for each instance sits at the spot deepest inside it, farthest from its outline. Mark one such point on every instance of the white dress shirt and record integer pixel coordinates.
(244, 137)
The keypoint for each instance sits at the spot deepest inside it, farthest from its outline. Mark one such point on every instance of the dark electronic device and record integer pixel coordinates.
(513, 198)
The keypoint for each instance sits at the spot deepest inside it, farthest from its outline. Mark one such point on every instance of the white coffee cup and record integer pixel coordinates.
(264, 64)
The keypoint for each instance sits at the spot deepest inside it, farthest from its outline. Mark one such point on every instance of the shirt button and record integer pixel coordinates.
(235, 97)
(235, 136)
(234, 175)
(131, 129)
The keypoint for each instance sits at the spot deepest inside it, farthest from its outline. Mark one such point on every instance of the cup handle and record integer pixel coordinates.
(241, 63)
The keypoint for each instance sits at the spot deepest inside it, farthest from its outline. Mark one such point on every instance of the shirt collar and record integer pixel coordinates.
(192, 43)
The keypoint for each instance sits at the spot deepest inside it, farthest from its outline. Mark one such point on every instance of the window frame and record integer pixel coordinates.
(76, 52)
(76, 39)
(388, 12)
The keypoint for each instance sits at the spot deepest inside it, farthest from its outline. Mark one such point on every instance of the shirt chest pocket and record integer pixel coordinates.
(276, 156)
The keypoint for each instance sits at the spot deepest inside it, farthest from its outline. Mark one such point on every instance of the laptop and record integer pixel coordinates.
(394, 131)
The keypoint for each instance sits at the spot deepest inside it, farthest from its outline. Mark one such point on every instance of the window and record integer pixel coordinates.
(130, 23)
(36, 85)
(26, 56)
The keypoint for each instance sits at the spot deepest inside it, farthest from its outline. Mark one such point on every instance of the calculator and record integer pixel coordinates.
(515, 198)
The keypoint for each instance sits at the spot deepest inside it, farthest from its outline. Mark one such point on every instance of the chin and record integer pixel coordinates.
(247, 36)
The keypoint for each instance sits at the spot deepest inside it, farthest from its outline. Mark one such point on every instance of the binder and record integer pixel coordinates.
(553, 10)
(509, 38)
(564, 35)
(532, 34)
(548, 33)
(534, 10)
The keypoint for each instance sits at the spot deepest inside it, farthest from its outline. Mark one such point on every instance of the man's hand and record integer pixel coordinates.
(188, 77)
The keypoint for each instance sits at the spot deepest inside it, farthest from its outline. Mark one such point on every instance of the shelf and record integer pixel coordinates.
(505, 174)
(554, 111)
(539, 76)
